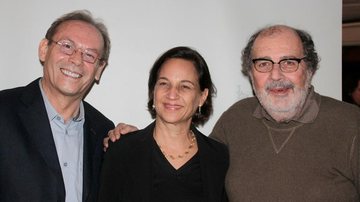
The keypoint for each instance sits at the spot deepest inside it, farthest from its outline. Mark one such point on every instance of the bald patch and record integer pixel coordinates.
(274, 30)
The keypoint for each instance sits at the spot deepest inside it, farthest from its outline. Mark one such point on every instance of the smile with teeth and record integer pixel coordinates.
(70, 73)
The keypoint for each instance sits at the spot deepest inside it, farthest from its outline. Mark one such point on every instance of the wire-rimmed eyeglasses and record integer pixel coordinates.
(286, 65)
(67, 47)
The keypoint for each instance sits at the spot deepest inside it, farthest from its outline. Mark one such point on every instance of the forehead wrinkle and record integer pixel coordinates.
(284, 43)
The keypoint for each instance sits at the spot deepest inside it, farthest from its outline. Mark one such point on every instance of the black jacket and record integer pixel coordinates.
(127, 175)
(29, 165)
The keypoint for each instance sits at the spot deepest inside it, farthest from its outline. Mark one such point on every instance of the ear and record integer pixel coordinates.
(99, 71)
(43, 48)
(203, 97)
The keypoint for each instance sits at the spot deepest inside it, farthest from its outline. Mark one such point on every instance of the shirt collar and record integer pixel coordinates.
(52, 113)
(307, 114)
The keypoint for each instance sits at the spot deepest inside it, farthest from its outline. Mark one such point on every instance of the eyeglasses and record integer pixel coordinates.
(287, 65)
(67, 47)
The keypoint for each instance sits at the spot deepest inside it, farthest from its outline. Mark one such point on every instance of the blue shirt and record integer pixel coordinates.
(69, 142)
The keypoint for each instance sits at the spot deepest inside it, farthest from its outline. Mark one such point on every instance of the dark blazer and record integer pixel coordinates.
(29, 165)
(127, 175)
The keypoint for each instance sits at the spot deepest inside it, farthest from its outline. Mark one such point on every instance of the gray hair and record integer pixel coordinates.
(84, 16)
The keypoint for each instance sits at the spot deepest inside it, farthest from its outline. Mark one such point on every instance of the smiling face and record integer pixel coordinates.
(177, 93)
(281, 94)
(68, 75)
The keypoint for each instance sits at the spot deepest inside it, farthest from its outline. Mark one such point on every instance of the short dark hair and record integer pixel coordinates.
(312, 59)
(201, 67)
(84, 16)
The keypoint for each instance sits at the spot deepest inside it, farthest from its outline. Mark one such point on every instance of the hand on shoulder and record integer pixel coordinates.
(115, 134)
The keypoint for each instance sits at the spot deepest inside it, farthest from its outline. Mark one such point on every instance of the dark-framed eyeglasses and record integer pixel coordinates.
(286, 65)
(68, 47)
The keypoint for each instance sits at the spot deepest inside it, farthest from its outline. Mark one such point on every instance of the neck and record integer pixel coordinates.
(178, 144)
(68, 107)
(175, 150)
(283, 117)
(172, 135)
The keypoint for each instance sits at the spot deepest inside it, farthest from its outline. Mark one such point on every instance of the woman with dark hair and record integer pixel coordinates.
(170, 160)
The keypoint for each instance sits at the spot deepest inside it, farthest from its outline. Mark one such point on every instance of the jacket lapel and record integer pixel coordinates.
(34, 118)
(207, 166)
(90, 141)
(142, 158)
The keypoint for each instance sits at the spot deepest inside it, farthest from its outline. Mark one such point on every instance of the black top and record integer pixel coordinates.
(134, 165)
(169, 184)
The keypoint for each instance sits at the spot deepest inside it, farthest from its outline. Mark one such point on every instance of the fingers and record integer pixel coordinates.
(122, 129)
(111, 136)
(126, 128)
(106, 143)
(115, 134)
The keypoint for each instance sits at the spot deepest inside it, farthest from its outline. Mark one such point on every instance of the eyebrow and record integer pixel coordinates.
(281, 58)
(181, 81)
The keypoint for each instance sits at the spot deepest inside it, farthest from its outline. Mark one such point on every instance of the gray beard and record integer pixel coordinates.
(284, 112)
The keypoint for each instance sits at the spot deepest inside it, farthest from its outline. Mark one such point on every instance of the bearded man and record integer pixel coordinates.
(288, 143)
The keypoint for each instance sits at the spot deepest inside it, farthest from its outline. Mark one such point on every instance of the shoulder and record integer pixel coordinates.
(334, 108)
(10, 98)
(239, 113)
(132, 140)
(210, 145)
(338, 118)
(244, 106)
(13, 92)
(11, 95)
(237, 117)
(213, 153)
(95, 117)
(132, 137)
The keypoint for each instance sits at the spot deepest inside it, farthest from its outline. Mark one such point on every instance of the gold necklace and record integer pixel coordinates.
(187, 151)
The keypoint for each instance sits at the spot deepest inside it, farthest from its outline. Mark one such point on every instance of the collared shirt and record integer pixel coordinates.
(69, 142)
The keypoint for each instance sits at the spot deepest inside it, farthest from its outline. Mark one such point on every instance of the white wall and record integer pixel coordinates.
(143, 29)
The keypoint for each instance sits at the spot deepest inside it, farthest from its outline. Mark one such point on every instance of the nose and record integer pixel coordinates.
(173, 92)
(276, 73)
(76, 57)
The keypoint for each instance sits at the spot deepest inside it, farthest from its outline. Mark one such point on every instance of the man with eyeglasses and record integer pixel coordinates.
(50, 138)
(288, 143)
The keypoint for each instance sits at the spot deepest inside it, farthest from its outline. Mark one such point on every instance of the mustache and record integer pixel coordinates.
(279, 84)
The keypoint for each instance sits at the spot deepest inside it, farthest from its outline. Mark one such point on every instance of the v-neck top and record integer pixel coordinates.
(176, 185)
